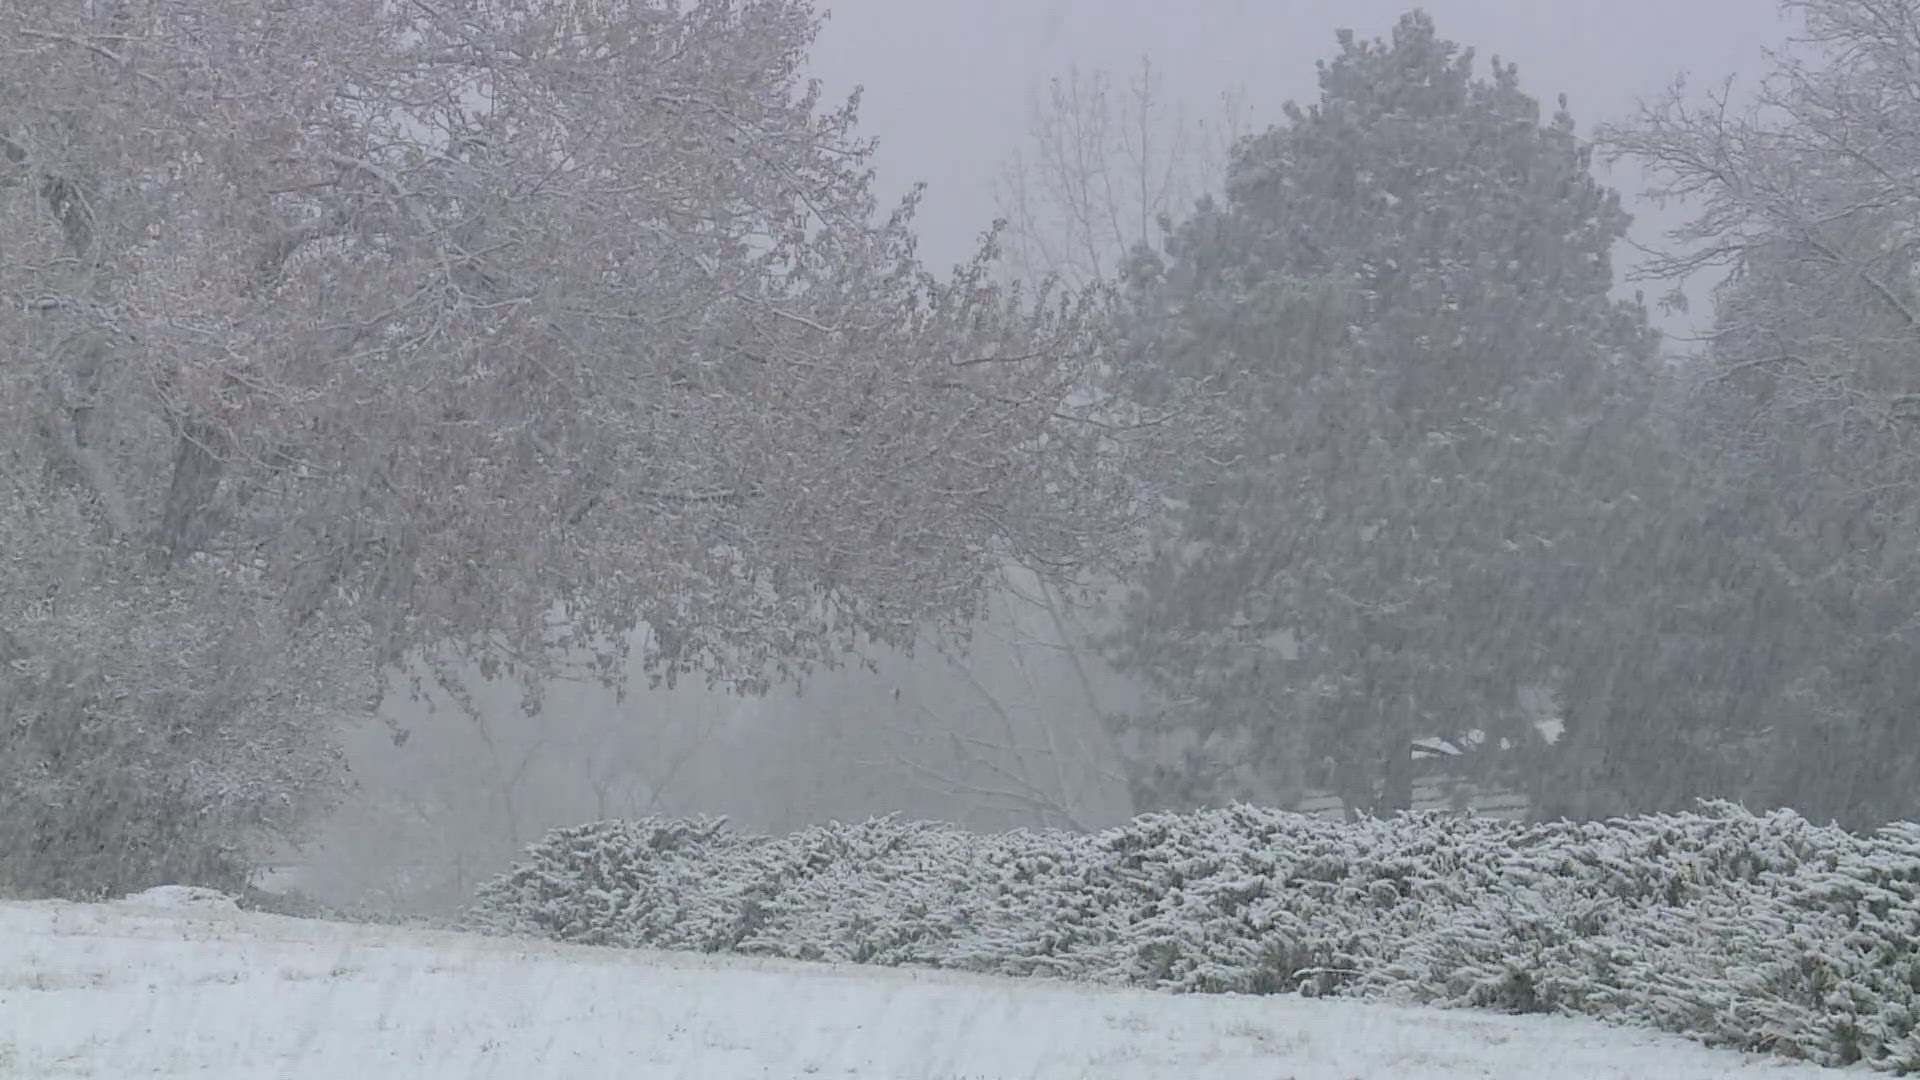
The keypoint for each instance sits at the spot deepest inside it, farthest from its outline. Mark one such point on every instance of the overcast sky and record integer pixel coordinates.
(947, 82)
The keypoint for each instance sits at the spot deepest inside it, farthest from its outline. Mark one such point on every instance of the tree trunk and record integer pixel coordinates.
(1292, 735)
(1578, 765)
(196, 476)
(1353, 782)
(1396, 765)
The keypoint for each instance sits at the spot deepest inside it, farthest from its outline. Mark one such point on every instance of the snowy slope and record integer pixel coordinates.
(174, 987)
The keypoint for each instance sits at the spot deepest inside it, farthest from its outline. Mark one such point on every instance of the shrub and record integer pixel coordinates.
(1761, 933)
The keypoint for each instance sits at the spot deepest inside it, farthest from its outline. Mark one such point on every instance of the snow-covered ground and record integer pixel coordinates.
(180, 985)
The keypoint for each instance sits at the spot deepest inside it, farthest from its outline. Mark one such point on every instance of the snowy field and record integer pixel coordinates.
(164, 989)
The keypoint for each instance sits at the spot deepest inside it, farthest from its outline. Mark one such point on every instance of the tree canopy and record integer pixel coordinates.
(459, 314)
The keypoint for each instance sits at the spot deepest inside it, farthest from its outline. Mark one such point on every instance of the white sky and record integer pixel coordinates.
(947, 82)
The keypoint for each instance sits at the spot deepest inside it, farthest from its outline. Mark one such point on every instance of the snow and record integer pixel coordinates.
(166, 989)
(182, 896)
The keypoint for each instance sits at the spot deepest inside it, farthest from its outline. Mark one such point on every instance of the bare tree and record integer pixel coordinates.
(1103, 165)
(1807, 198)
(1107, 161)
(1013, 729)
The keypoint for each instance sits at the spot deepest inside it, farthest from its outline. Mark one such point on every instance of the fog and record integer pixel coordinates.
(1003, 731)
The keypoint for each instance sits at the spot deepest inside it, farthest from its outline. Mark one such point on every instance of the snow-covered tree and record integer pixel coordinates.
(1405, 294)
(520, 330)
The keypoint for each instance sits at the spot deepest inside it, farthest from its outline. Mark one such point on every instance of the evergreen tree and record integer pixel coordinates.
(1405, 296)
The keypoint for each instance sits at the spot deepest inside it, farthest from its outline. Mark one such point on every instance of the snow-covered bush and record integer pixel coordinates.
(154, 729)
(667, 883)
(1764, 933)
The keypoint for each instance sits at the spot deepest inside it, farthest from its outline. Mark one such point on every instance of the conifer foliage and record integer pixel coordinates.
(1405, 295)
(1763, 933)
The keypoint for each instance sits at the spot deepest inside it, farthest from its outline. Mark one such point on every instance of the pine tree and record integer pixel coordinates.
(1405, 294)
